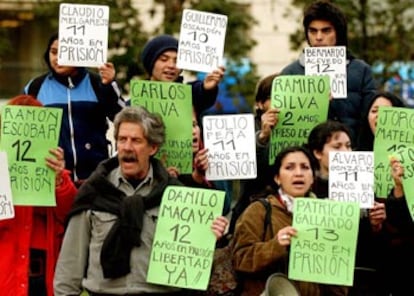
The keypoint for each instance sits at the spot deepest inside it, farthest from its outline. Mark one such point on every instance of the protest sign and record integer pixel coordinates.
(183, 246)
(27, 134)
(83, 35)
(351, 177)
(406, 158)
(201, 43)
(173, 101)
(331, 61)
(6, 201)
(303, 103)
(324, 249)
(394, 132)
(230, 140)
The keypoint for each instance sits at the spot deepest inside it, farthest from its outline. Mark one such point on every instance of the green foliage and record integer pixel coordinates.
(378, 30)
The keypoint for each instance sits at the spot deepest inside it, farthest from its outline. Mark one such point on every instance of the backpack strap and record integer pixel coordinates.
(95, 80)
(35, 85)
(268, 217)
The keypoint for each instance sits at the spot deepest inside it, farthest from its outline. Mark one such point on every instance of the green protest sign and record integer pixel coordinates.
(394, 132)
(303, 103)
(173, 101)
(406, 157)
(27, 134)
(324, 249)
(183, 246)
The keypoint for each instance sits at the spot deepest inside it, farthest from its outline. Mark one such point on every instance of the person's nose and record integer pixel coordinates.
(127, 145)
(319, 35)
(298, 171)
(171, 63)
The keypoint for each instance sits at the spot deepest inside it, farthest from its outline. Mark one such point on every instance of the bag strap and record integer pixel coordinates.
(35, 85)
(268, 217)
(95, 81)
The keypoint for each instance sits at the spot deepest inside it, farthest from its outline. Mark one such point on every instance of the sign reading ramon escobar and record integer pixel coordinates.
(303, 103)
(331, 61)
(83, 35)
(324, 249)
(183, 246)
(173, 102)
(27, 134)
(201, 44)
(231, 150)
(6, 202)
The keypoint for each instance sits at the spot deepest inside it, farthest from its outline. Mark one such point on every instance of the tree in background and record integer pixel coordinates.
(379, 31)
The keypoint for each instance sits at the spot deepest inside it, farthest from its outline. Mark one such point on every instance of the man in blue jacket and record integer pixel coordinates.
(325, 25)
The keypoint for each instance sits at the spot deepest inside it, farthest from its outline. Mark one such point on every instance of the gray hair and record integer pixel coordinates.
(151, 123)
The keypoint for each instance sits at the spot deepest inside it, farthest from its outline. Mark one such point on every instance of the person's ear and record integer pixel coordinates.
(317, 154)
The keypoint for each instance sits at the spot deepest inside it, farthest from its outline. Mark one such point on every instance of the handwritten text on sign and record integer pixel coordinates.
(27, 134)
(351, 177)
(394, 132)
(324, 249)
(174, 103)
(406, 158)
(183, 246)
(231, 146)
(83, 35)
(201, 44)
(331, 61)
(6, 202)
(303, 103)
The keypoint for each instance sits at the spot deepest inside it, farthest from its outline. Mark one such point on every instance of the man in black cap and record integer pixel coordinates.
(159, 58)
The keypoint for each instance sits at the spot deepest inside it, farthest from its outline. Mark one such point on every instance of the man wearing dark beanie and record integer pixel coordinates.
(159, 58)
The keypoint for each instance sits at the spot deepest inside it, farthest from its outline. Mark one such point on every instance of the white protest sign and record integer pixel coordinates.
(201, 43)
(331, 61)
(351, 177)
(83, 35)
(230, 140)
(6, 203)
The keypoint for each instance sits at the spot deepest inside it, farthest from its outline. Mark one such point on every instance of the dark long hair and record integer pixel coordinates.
(52, 39)
(322, 133)
(365, 141)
